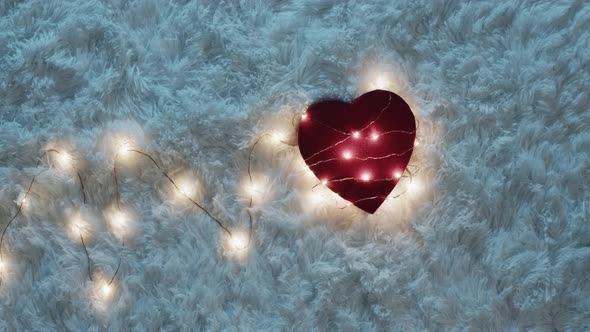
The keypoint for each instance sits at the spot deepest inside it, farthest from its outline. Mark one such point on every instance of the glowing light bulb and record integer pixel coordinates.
(356, 134)
(106, 290)
(185, 188)
(304, 116)
(324, 182)
(397, 174)
(23, 201)
(237, 245)
(375, 137)
(414, 186)
(277, 137)
(64, 159)
(76, 226)
(119, 221)
(381, 82)
(366, 177)
(2, 265)
(416, 143)
(238, 241)
(124, 147)
(347, 155)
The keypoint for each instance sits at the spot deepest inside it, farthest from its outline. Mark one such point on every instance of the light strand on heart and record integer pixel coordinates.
(356, 134)
(348, 135)
(305, 116)
(348, 156)
(326, 182)
(351, 135)
(397, 175)
(389, 197)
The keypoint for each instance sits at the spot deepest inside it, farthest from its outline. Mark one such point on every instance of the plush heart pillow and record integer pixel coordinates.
(361, 149)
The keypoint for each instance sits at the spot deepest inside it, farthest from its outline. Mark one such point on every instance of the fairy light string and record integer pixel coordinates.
(67, 159)
(276, 138)
(118, 196)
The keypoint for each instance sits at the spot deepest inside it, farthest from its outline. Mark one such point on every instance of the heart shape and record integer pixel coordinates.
(359, 150)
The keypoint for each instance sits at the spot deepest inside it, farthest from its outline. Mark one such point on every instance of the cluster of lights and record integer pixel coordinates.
(236, 242)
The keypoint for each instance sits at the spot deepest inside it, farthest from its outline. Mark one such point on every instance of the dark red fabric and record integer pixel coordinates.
(328, 125)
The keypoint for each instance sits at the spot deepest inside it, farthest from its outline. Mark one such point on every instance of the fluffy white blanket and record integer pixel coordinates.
(495, 236)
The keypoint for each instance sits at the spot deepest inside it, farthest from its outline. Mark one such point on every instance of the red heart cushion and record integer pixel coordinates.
(359, 150)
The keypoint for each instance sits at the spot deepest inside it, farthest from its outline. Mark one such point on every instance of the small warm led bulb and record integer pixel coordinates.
(238, 241)
(123, 147)
(324, 182)
(119, 218)
(375, 137)
(304, 116)
(276, 137)
(397, 174)
(356, 134)
(23, 201)
(106, 290)
(77, 226)
(416, 143)
(414, 186)
(347, 155)
(185, 188)
(366, 177)
(64, 159)
(381, 82)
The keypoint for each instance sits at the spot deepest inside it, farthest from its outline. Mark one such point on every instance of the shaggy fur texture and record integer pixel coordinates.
(496, 238)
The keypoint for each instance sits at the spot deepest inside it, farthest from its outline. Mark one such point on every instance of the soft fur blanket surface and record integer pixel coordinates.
(493, 234)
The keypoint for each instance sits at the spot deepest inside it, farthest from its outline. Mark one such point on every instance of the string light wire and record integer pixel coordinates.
(87, 256)
(303, 117)
(118, 196)
(23, 200)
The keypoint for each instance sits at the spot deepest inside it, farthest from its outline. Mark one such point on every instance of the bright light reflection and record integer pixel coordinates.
(106, 290)
(123, 147)
(77, 227)
(103, 292)
(277, 137)
(414, 186)
(356, 134)
(397, 174)
(366, 177)
(120, 222)
(186, 188)
(382, 82)
(237, 245)
(64, 160)
(347, 155)
(258, 190)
